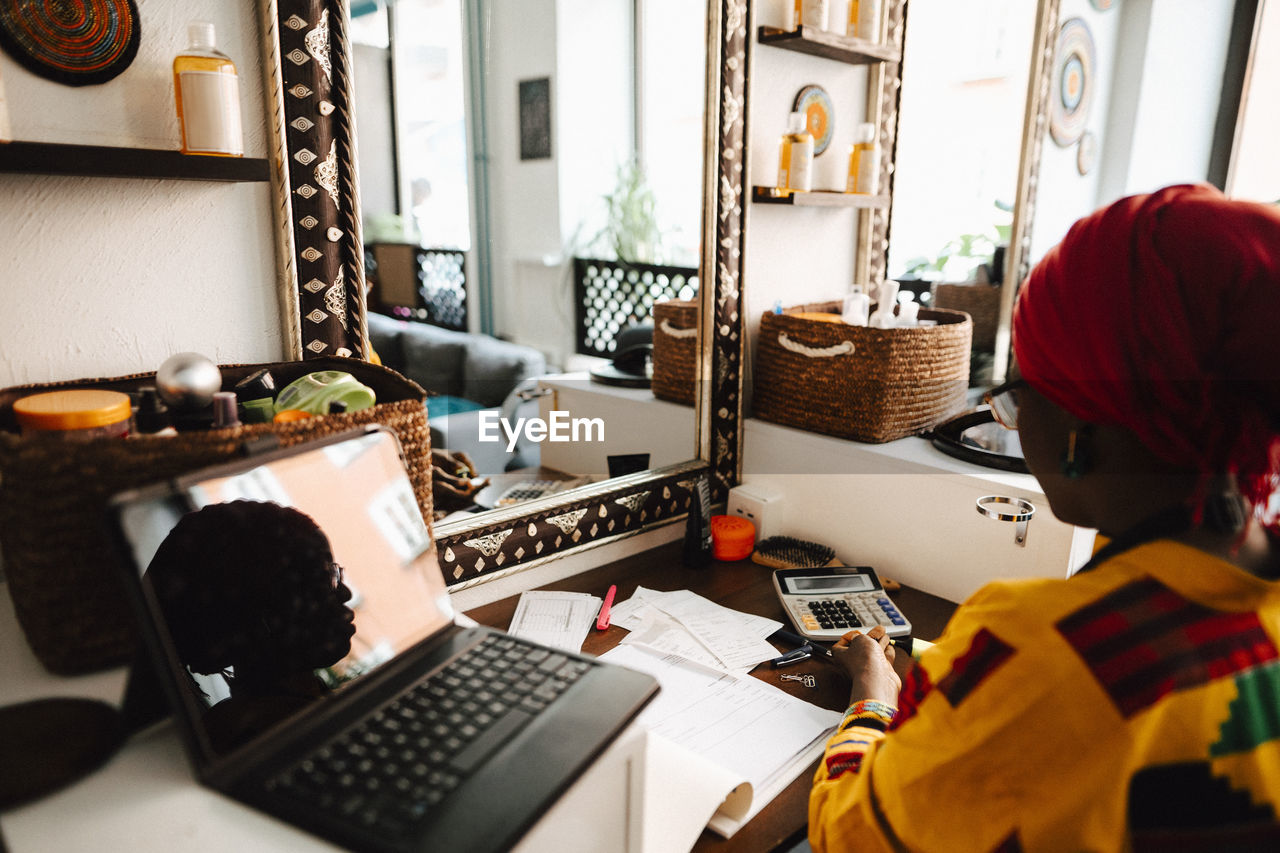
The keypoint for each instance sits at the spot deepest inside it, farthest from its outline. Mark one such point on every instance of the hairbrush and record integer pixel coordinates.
(787, 552)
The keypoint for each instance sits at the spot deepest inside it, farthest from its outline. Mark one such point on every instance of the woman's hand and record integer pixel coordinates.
(868, 658)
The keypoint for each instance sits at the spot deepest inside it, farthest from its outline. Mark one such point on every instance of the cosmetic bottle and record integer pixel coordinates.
(857, 307)
(813, 14)
(886, 300)
(908, 314)
(226, 413)
(795, 156)
(152, 417)
(207, 94)
(864, 161)
(864, 19)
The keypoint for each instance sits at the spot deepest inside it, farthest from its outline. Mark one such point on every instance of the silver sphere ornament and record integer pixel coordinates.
(187, 381)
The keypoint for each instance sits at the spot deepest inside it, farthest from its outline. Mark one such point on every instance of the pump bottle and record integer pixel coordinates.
(795, 156)
(864, 161)
(207, 94)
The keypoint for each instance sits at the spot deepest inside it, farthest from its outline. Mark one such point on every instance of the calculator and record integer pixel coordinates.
(826, 603)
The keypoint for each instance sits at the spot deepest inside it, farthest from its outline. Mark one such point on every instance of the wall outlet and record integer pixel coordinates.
(760, 506)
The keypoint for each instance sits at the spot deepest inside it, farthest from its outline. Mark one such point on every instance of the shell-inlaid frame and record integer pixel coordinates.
(317, 195)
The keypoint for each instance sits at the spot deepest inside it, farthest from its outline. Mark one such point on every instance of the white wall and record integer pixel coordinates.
(106, 276)
(1159, 75)
(524, 211)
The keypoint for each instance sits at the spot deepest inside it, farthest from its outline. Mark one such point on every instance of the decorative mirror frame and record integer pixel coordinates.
(1034, 126)
(307, 56)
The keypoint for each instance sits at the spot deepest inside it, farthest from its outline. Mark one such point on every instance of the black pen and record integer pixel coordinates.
(909, 645)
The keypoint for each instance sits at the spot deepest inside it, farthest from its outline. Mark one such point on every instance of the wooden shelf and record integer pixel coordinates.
(50, 158)
(829, 45)
(817, 198)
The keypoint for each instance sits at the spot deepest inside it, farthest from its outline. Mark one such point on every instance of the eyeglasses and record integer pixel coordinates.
(335, 575)
(1003, 400)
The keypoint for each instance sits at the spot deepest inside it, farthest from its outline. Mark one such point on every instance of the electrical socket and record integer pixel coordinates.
(760, 506)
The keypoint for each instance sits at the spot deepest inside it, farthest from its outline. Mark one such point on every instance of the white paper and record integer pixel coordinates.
(561, 620)
(734, 640)
(749, 730)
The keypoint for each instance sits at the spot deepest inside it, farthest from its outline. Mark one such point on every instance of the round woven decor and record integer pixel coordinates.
(77, 42)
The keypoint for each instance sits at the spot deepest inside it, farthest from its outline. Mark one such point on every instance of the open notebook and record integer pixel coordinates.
(294, 609)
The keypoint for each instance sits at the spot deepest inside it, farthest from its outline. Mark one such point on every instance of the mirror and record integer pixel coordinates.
(507, 538)
(964, 92)
(530, 179)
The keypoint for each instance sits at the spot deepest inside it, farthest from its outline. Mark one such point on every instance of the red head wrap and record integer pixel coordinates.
(1161, 314)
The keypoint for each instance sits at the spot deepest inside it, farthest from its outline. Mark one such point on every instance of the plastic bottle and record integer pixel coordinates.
(886, 299)
(857, 307)
(864, 161)
(207, 94)
(864, 19)
(813, 14)
(795, 156)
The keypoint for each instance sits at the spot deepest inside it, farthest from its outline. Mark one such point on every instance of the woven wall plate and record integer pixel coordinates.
(1073, 72)
(80, 43)
(815, 105)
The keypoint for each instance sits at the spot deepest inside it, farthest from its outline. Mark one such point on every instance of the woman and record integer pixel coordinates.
(1135, 705)
(251, 593)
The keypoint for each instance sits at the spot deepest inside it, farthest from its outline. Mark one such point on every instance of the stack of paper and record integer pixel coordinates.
(557, 619)
(686, 624)
(733, 742)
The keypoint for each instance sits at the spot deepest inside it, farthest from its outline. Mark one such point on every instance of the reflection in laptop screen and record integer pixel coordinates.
(288, 581)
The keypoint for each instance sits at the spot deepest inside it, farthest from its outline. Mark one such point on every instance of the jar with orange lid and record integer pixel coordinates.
(732, 537)
(75, 414)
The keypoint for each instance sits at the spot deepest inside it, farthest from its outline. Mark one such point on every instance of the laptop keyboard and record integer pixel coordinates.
(390, 769)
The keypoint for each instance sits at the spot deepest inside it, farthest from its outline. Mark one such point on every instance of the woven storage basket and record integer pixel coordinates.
(60, 554)
(871, 385)
(980, 301)
(675, 350)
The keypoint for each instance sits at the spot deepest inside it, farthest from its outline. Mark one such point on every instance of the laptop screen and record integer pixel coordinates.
(273, 586)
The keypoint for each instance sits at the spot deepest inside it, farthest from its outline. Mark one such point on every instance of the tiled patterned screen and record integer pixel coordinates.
(611, 295)
(439, 288)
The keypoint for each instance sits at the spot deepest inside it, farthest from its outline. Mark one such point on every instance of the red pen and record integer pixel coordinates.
(602, 623)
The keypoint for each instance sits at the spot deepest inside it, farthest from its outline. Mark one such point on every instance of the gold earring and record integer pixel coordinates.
(1075, 461)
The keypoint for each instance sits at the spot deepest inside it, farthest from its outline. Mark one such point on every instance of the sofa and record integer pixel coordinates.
(465, 374)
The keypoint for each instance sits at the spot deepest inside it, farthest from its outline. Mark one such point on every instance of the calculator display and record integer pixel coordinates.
(845, 583)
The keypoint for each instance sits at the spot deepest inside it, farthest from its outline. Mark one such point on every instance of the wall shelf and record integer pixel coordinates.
(817, 198)
(50, 158)
(854, 51)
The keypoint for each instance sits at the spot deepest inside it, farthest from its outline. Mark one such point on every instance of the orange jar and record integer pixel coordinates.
(75, 414)
(732, 537)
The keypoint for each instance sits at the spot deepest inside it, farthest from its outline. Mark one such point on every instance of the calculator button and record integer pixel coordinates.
(898, 620)
(810, 622)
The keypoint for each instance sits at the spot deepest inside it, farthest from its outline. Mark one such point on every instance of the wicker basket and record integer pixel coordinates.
(871, 385)
(675, 350)
(60, 554)
(980, 301)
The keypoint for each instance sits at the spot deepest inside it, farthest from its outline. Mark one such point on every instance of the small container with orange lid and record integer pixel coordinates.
(732, 537)
(75, 414)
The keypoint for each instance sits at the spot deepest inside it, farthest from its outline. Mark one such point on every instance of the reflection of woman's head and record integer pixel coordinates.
(252, 586)
(1160, 315)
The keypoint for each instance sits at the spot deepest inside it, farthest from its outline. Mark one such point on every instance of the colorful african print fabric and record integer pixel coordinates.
(1134, 707)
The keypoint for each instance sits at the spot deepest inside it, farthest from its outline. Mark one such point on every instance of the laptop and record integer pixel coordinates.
(295, 613)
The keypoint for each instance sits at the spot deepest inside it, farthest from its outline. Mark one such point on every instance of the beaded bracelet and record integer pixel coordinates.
(869, 712)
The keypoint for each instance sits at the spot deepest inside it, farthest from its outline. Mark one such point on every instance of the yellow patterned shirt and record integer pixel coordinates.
(1132, 707)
